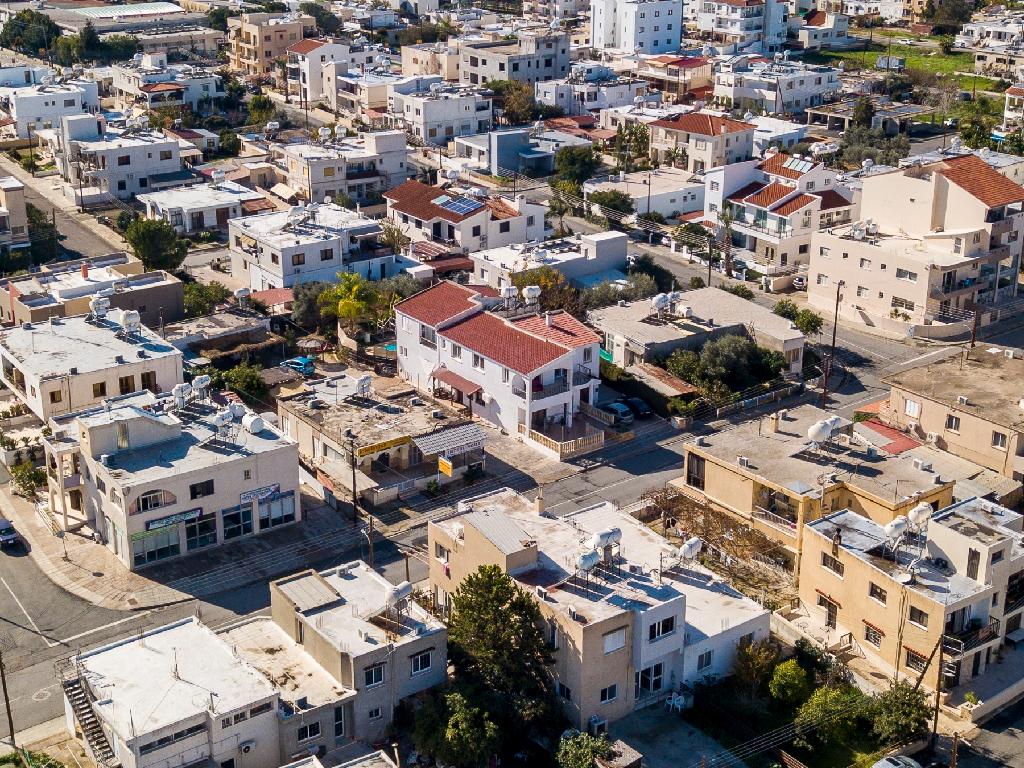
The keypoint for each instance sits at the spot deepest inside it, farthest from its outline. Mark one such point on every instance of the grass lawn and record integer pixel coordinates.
(930, 59)
(893, 32)
(860, 752)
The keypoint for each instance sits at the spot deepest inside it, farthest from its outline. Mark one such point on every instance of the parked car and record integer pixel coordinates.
(640, 409)
(303, 365)
(623, 415)
(951, 122)
(8, 536)
(800, 283)
(897, 761)
(905, 40)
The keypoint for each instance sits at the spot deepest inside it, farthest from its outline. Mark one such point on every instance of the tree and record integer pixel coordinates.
(393, 237)
(830, 714)
(725, 220)
(217, 18)
(575, 164)
(581, 750)
(326, 22)
(976, 131)
(261, 109)
(1014, 143)
(89, 38)
(790, 684)
(685, 364)
(808, 322)
(786, 308)
(156, 244)
(556, 292)
(245, 379)
(470, 735)
(306, 305)
(754, 664)
(863, 112)
(29, 32)
(27, 478)
(202, 298)
(43, 234)
(612, 199)
(696, 282)
(496, 642)
(901, 713)
(230, 144)
(516, 99)
(350, 300)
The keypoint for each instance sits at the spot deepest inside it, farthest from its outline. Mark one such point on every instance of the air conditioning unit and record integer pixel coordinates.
(743, 461)
(246, 747)
(1009, 353)
(542, 593)
(962, 399)
(572, 612)
(932, 437)
(597, 726)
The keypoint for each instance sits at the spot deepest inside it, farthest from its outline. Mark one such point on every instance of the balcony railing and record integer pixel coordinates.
(778, 522)
(1013, 605)
(550, 390)
(580, 377)
(428, 343)
(957, 643)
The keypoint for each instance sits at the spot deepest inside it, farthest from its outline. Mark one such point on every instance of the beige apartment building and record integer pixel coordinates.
(705, 140)
(953, 578)
(969, 405)
(779, 473)
(938, 244)
(259, 40)
(431, 59)
(13, 218)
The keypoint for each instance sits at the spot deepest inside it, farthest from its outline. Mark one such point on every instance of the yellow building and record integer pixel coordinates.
(259, 40)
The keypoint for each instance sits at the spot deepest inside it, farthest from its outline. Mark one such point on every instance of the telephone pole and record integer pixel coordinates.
(6, 644)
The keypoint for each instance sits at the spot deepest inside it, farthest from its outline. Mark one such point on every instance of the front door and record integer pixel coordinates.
(222, 217)
(976, 665)
(198, 221)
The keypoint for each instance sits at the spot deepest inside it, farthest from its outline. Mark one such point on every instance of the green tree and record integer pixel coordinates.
(863, 112)
(1014, 143)
(202, 298)
(306, 305)
(29, 32)
(230, 144)
(685, 364)
(808, 322)
(471, 737)
(575, 164)
(218, 17)
(156, 244)
(27, 478)
(89, 38)
(556, 292)
(786, 308)
(67, 50)
(976, 131)
(326, 22)
(245, 379)
(518, 104)
(754, 664)
(738, 289)
(392, 236)
(581, 750)
(790, 684)
(351, 300)
(901, 713)
(612, 199)
(261, 109)
(119, 48)
(830, 714)
(696, 282)
(43, 234)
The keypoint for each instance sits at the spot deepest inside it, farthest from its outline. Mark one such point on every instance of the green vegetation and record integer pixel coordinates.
(728, 364)
(859, 144)
(928, 59)
(807, 321)
(30, 32)
(44, 236)
(516, 99)
(326, 22)
(156, 244)
(737, 289)
(557, 293)
(27, 478)
(87, 46)
(575, 164)
(202, 298)
(581, 750)
(353, 301)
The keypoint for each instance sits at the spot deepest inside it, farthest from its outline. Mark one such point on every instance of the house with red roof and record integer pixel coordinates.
(701, 140)
(151, 82)
(776, 204)
(816, 30)
(1013, 108)
(523, 371)
(464, 220)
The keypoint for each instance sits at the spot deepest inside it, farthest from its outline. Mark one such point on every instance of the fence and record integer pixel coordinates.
(597, 414)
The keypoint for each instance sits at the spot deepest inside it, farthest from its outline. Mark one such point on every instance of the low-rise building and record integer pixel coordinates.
(643, 331)
(532, 56)
(774, 87)
(13, 216)
(258, 40)
(775, 132)
(890, 117)
(516, 150)
(184, 41)
(164, 476)
(66, 288)
(590, 87)
(1013, 106)
(668, 191)
(678, 78)
(282, 248)
(576, 257)
(227, 336)
(817, 30)
(149, 82)
(438, 58)
(364, 94)
(705, 140)
(525, 372)
(38, 107)
(469, 221)
(306, 62)
(440, 112)
(68, 364)
(644, 26)
(778, 473)
(628, 621)
(203, 206)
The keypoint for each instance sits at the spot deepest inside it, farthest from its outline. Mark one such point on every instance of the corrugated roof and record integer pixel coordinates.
(308, 592)
(499, 529)
(451, 442)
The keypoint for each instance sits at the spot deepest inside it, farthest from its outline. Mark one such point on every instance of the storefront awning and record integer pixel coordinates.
(465, 386)
(451, 442)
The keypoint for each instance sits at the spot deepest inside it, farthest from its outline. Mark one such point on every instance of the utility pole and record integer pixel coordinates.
(6, 644)
(938, 697)
(352, 461)
(832, 353)
(952, 751)
(369, 537)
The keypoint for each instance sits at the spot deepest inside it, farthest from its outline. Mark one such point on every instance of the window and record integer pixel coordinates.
(563, 691)
(247, 474)
(237, 521)
(476, 231)
(997, 557)
(588, 354)
(904, 274)
(260, 709)
(823, 252)
(999, 440)
(153, 500)
(952, 422)
(199, 490)
(901, 303)
(149, 380)
(456, 352)
(326, 254)
(308, 731)
(865, 263)
(478, 362)
(55, 396)
(915, 661)
(821, 279)
(126, 384)
(373, 676)
(201, 533)
(420, 662)
(659, 629)
(614, 641)
(156, 545)
(240, 717)
(505, 226)
(99, 389)
(276, 510)
(872, 635)
(165, 154)
(862, 292)
(912, 408)
(225, 722)
(704, 660)
(876, 593)
(298, 259)
(124, 160)
(919, 617)
(831, 563)
(609, 693)
(374, 714)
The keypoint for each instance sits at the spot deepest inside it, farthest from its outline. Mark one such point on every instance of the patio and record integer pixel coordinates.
(566, 441)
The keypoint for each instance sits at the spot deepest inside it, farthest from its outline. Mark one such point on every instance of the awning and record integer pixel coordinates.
(465, 386)
(283, 191)
(451, 442)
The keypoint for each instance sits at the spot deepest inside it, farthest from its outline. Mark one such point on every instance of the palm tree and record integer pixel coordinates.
(352, 300)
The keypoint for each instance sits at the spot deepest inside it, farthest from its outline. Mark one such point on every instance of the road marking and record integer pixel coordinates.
(49, 643)
(80, 635)
(922, 357)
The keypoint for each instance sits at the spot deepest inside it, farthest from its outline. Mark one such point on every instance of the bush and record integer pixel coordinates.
(790, 684)
(124, 220)
(696, 282)
(738, 290)
(27, 478)
(786, 308)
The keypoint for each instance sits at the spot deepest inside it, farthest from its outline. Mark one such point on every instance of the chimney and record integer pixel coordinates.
(547, 319)
(85, 270)
(538, 503)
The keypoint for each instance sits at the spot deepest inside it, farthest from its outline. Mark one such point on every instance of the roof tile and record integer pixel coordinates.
(416, 199)
(794, 205)
(564, 329)
(501, 341)
(770, 195)
(979, 179)
(703, 124)
(439, 303)
(775, 166)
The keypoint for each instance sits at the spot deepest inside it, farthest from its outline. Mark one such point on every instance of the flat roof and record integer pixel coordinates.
(165, 675)
(51, 349)
(121, 11)
(916, 249)
(115, 139)
(640, 182)
(201, 196)
(520, 257)
(326, 222)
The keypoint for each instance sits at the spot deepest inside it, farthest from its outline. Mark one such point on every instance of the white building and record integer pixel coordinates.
(361, 168)
(744, 25)
(308, 59)
(645, 26)
(527, 374)
(281, 249)
(777, 88)
(149, 82)
(467, 221)
(577, 257)
(202, 207)
(441, 112)
(668, 191)
(776, 132)
(817, 30)
(37, 107)
(72, 363)
(592, 86)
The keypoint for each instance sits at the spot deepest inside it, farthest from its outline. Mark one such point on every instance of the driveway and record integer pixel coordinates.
(664, 739)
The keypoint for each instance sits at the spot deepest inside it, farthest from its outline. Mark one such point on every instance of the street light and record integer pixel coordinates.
(6, 645)
(832, 352)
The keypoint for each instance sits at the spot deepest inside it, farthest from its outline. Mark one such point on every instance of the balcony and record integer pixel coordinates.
(762, 227)
(581, 377)
(975, 634)
(553, 389)
(776, 521)
(1013, 603)
(428, 343)
(566, 442)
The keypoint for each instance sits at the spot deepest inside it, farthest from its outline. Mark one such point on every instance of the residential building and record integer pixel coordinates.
(946, 586)
(184, 41)
(440, 112)
(776, 205)
(644, 331)
(1006, 61)
(280, 249)
(773, 87)
(772, 132)
(306, 61)
(396, 448)
(13, 216)
(937, 244)
(707, 140)
(738, 25)
(529, 374)
(678, 78)
(229, 335)
(1013, 106)
(37, 107)
(258, 40)
(519, 150)
(890, 117)
(644, 26)
(149, 82)
(532, 56)
(967, 406)
(778, 473)
(360, 168)
(818, 29)
(203, 206)
(365, 94)
(992, 31)
(66, 288)
(21, 75)
(558, 9)
(195, 143)
(468, 220)
(611, 119)
(628, 621)
(590, 87)
(68, 364)
(164, 476)
(577, 257)
(438, 58)
(668, 191)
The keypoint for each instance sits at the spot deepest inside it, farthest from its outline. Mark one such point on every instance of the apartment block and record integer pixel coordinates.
(676, 77)
(626, 625)
(258, 40)
(182, 40)
(531, 57)
(438, 58)
(306, 61)
(819, 29)
(707, 140)
(366, 94)
(13, 216)
(642, 26)
(591, 87)
(149, 81)
(37, 107)
(744, 24)
(440, 112)
(579, 258)
(773, 87)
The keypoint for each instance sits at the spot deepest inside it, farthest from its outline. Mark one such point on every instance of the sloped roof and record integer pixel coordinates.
(306, 46)
(831, 199)
(776, 166)
(794, 205)
(414, 198)
(816, 19)
(439, 303)
(1015, 90)
(746, 191)
(703, 124)
(981, 181)
(564, 329)
(160, 87)
(504, 343)
(770, 195)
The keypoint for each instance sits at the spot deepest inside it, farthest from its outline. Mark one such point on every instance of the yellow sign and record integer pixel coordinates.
(444, 466)
(366, 450)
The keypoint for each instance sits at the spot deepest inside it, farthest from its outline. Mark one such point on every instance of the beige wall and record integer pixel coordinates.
(252, 53)
(417, 61)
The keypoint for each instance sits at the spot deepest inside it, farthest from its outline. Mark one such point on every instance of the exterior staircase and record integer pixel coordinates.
(95, 738)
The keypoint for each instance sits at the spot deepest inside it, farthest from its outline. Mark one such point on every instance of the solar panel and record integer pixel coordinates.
(460, 205)
(800, 166)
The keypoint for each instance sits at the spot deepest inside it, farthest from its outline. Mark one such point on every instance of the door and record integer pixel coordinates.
(976, 665)
(198, 221)
(222, 217)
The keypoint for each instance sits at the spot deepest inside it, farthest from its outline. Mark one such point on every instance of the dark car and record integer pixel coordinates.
(8, 536)
(623, 415)
(639, 408)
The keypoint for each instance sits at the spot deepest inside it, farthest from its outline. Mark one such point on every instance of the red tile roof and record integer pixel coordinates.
(898, 441)
(794, 205)
(564, 329)
(452, 379)
(439, 303)
(746, 191)
(775, 166)
(1015, 90)
(160, 87)
(273, 296)
(831, 199)
(306, 46)
(416, 199)
(978, 179)
(500, 209)
(703, 124)
(770, 195)
(500, 341)
(816, 19)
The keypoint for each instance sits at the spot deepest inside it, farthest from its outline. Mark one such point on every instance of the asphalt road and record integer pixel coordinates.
(999, 743)
(75, 239)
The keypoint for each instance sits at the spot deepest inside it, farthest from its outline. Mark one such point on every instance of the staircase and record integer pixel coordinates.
(95, 738)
